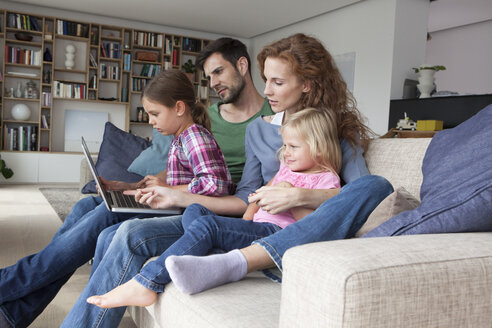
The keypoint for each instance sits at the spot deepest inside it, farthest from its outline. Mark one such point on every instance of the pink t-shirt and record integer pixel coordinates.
(323, 180)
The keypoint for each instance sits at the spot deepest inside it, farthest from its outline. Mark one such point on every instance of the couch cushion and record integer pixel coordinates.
(398, 201)
(251, 302)
(456, 191)
(118, 150)
(153, 160)
(399, 161)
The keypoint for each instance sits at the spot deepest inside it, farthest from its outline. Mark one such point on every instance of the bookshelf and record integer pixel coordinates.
(110, 66)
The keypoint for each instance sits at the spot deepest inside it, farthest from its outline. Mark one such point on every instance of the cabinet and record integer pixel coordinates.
(49, 61)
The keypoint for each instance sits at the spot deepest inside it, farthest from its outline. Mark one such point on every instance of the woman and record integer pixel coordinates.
(299, 72)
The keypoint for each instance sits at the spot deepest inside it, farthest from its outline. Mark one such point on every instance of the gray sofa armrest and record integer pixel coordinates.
(85, 173)
(410, 281)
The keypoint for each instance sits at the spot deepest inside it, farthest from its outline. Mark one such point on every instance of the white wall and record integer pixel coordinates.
(368, 29)
(466, 51)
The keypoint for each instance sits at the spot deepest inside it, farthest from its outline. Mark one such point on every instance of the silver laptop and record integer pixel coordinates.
(117, 201)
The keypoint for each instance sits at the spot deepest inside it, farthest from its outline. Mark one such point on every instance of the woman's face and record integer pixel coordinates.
(164, 119)
(282, 87)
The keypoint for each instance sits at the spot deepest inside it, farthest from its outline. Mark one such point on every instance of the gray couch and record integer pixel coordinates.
(412, 281)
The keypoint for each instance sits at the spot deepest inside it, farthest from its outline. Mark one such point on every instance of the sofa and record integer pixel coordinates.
(429, 280)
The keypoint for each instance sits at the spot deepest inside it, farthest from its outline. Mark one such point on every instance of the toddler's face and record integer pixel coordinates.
(296, 152)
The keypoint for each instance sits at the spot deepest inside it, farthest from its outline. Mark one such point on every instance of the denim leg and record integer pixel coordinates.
(81, 208)
(21, 282)
(103, 241)
(132, 245)
(337, 218)
(204, 234)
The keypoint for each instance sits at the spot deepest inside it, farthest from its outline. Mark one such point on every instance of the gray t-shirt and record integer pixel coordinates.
(263, 140)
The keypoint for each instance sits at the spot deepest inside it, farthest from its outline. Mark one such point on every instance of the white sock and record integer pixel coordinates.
(194, 274)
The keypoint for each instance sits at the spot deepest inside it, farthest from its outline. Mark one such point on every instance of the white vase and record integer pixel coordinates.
(426, 82)
(21, 112)
(69, 56)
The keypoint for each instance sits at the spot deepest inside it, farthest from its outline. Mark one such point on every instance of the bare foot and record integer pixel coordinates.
(130, 293)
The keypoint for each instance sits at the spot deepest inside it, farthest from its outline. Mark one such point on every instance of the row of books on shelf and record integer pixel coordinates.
(17, 55)
(175, 58)
(45, 121)
(168, 46)
(150, 70)
(147, 39)
(23, 138)
(111, 50)
(127, 61)
(110, 72)
(193, 45)
(138, 84)
(25, 22)
(71, 28)
(92, 60)
(69, 90)
(46, 99)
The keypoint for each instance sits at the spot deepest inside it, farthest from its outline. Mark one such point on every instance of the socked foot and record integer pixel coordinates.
(130, 293)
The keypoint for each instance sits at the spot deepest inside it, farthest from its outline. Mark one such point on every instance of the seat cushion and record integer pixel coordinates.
(456, 192)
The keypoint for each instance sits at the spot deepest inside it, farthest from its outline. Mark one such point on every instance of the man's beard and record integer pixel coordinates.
(235, 90)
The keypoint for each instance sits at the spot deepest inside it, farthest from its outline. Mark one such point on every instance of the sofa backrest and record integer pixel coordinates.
(399, 160)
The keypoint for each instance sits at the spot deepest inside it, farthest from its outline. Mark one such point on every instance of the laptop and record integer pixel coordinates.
(117, 201)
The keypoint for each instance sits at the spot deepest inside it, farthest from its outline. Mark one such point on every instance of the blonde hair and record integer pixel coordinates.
(318, 128)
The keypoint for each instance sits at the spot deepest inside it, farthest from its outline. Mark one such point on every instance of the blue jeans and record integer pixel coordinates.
(199, 232)
(339, 217)
(28, 286)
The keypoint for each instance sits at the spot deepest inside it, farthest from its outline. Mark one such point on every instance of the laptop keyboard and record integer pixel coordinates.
(123, 200)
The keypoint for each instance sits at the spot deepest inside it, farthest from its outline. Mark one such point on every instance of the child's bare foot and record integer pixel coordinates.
(130, 293)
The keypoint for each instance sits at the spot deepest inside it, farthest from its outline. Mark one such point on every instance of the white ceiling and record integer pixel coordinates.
(245, 18)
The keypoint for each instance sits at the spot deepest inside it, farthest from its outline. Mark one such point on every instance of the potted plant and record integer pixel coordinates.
(190, 70)
(426, 80)
(6, 172)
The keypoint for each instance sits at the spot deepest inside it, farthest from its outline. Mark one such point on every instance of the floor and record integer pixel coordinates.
(27, 224)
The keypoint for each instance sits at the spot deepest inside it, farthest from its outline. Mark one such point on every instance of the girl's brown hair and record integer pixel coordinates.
(169, 86)
(312, 63)
(318, 128)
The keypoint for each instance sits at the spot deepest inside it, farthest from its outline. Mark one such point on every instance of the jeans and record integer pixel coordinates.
(28, 286)
(339, 217)
(199, 232)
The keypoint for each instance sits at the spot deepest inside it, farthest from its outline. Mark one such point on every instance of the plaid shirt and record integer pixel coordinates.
(195, 159)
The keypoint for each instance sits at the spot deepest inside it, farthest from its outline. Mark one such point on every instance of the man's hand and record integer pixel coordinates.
(157, 197)
(151, 181)
(115, 185)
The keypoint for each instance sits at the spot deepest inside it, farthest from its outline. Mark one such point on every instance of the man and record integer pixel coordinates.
(227, 65)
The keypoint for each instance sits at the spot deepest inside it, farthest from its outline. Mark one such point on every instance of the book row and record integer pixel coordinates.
(69, 90)
(71, 28)
(150, 70)
(17, 55)
(127, 61)
(21, 21)
(22, 138)
(111, 50)
(109, 72)
(147, 39)
(46, 99)
(138, 84)
(193, 45)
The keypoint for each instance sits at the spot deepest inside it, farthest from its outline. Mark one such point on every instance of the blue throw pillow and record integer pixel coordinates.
(153, 160)
(118, 150)
(456, 190)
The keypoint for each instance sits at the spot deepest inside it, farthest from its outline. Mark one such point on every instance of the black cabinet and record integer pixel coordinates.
(452, 110)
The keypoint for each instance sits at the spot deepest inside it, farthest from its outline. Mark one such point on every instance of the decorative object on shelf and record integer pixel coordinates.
(47, 55)
(426, 80)
(6, 172)
(23, 36)
(8, 92)
(18, 91)
(140, 112)
(69, 56)
(46, 76)
(31, 90)
(21, 112)
(190, 70)
(406, 123)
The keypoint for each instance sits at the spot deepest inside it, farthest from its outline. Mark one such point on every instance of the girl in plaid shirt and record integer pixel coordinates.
(195, 162)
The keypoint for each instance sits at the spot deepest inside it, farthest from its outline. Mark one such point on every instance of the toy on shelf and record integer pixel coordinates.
(406, 123)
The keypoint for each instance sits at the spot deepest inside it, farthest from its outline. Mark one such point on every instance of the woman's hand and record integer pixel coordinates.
(275, 199)
(157, 196)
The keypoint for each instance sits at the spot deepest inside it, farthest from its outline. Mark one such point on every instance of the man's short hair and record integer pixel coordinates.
(230, 49)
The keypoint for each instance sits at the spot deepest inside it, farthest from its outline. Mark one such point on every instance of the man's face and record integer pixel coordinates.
(224, 78)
